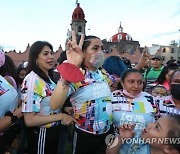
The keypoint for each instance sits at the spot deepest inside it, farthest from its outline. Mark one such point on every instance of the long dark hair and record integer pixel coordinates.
(165, 70)
(35, 50)
(8, 68)
(18, 70)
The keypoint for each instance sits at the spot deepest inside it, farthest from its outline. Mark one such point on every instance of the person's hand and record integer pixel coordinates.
(145, 56)
(144, 59)
(68, 120)
(18, 112)
(74, 50)
(126, 131)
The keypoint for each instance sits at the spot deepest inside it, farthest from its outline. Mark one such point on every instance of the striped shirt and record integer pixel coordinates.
(166, 106)
(140, 110)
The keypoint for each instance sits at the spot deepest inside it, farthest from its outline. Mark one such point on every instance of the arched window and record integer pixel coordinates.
(79, 29)
(172, 50)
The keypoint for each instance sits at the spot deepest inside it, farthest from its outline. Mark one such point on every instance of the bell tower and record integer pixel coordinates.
(78, 23)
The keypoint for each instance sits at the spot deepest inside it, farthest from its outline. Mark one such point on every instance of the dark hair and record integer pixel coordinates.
(128, 71)
(35, 50)
(8, 68)
(62, 57)
(165, 70)
(127, 62)
(174, 132)
(87, 41)
(18, 70)
(171, 61)
(60, 60)
(114, 65)
(172, 75)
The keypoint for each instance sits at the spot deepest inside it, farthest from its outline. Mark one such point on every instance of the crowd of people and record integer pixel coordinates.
(90, 99)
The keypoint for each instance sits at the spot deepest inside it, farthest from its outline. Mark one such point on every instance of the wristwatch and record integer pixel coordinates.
(14, 118)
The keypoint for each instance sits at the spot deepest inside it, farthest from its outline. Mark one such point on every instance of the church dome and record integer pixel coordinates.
(78, 13)
(120, 36)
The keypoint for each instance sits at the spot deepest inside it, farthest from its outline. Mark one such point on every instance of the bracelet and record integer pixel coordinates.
(14, 118)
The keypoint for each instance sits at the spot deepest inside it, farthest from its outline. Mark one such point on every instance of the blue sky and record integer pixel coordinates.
(147, 21)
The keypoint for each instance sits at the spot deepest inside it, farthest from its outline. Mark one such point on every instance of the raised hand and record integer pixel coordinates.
(126, 131)
(74, 50)
(144, 59)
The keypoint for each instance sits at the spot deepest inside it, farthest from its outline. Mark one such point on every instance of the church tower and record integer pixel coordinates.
(78, 23)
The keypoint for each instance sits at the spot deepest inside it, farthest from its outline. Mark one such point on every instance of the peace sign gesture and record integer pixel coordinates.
(74, 51)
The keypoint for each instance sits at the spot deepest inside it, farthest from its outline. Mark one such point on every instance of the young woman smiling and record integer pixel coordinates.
(42, 122)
